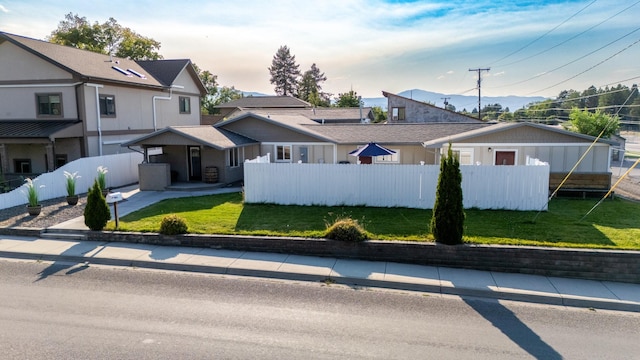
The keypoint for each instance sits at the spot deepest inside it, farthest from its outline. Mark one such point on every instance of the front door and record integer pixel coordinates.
(304, 154)
(505, 157)
(195, 168)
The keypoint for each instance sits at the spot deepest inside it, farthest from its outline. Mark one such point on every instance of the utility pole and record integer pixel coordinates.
(479, 71)
(445, 101)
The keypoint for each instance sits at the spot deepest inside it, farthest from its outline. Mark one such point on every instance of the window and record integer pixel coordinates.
(185, 105)
(235, 158)
(283, 153)
(107, 105)
(22, 166)
(465, 156)
(49, 104)
(388, 159)
(398, 114)
(61, 159)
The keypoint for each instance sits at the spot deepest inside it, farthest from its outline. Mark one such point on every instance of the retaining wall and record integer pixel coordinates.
(611, 265)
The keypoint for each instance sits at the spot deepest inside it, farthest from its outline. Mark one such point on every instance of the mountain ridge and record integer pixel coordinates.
(461, 102)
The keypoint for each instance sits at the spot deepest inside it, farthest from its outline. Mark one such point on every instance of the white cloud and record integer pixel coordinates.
(4, 9)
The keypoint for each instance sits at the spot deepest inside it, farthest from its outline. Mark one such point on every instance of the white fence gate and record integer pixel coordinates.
(122, 170)
(411, 186)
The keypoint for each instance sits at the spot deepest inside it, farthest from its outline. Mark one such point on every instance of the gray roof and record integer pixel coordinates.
(334, 115)
(297, 123)
(500, 127)
(204, 134)
(167, 71)
(266, 102)
(33, 128)
(87, 65)
(391, 133)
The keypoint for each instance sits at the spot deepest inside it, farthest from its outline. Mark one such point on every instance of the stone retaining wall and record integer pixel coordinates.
(612, 265)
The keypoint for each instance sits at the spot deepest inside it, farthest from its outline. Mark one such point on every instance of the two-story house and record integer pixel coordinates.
(59, 103)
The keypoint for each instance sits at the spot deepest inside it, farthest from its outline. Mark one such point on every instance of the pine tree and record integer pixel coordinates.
(310, 89)
(96, 212)
(284, 72)
(447, 222)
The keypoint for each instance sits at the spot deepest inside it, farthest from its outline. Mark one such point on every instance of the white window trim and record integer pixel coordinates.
(465, 150)
(275, 151)
(240, 156)
(377, 160)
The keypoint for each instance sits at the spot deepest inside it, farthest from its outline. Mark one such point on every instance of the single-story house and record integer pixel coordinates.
(514, 143)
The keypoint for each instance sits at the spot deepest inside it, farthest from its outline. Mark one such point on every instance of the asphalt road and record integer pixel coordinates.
(63, 311)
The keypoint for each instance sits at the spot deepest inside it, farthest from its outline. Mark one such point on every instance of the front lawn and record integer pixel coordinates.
(615, 224)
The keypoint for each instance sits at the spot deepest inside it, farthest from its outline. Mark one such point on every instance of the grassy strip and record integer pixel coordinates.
(614, 224)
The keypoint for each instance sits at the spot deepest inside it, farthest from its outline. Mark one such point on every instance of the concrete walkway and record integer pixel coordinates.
(432, 279)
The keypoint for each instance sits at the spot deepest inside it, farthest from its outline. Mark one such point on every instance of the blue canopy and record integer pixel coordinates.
(372, 149)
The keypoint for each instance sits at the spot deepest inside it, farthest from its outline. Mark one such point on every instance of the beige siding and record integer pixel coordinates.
(19, 65)
(21, 103)
(524, 134)
(408, 154)
(265, 132)
(561, 158)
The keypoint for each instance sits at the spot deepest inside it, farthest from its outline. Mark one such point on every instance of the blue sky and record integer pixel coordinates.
(376, 45)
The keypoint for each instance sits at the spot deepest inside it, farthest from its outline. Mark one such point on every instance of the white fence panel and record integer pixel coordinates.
(122, 169)
(412, 186)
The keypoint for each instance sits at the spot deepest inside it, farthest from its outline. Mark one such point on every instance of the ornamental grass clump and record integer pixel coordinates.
(346, 229)
(32, 192)
(71, 182)
(102, 177)
(173, 225)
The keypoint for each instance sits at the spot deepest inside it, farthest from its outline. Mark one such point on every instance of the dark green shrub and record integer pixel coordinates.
(346, 229)
(447, 221)
(96, 212)
(173, 225)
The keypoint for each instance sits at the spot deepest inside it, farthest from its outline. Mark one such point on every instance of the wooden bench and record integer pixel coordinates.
(581, 184)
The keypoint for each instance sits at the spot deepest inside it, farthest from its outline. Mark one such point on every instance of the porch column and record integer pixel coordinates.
(50, 157)
(4, 161)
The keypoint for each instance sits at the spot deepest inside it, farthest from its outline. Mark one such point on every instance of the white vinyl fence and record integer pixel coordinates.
(122, 169)
(411, 186)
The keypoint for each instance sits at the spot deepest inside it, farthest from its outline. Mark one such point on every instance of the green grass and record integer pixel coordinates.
(615, 224)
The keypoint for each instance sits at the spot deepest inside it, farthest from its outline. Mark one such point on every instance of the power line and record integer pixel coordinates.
(589, 69)
(571, 62)
(545, 34)
(575, 36)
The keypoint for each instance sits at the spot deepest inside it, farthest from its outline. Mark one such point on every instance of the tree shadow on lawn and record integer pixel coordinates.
(560, 224)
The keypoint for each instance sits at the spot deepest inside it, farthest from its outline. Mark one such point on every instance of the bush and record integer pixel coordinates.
(346, 229)
(173, 225)
(96, 212)
(447, 221)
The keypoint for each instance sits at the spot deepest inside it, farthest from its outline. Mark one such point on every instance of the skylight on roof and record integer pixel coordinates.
(123, 72)
(141, 76)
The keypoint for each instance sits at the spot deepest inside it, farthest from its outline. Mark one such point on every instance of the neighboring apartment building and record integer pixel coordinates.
(59, 103)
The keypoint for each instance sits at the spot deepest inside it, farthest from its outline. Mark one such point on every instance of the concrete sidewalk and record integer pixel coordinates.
(431, 279)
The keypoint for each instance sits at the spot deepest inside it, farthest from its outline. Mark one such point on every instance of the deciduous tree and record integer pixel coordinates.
(106, 38)
(349, 99)
(588, 123)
